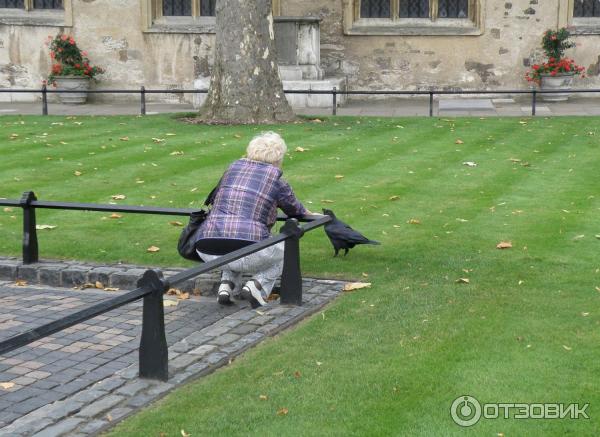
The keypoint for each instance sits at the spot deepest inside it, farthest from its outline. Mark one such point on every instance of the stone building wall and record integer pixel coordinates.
(112, 31)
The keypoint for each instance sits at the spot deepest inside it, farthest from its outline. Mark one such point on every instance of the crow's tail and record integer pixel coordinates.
(373, 242)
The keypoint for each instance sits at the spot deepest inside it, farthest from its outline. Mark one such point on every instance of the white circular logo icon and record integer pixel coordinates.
(465, 411)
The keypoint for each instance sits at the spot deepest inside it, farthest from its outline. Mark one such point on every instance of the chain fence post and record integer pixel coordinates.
(30, 242)
(291, 277)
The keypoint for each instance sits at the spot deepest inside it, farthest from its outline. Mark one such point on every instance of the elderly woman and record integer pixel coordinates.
(243, 211)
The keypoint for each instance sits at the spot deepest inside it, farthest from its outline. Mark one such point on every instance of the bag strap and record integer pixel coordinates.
(213, 193)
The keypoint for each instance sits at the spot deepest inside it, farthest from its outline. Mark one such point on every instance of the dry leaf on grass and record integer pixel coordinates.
(393, 197)
(153, 249)
(8, 210)
(170, 134)
(567, 348)
(414, 222)
(282, 411)
(459, 141)
(184, 434)
(124, 138)
(7, 385)
(470, 164)
(263, 397)
(326, 201)
(504, 245)
(42, 227)
(301, 149)
(115, 216)
(297, 374)
(463, 281)
(158, 140)
(176, 153)
(77, 173)
(176, 223)
(99, 285)
(118, 196)
(356, 286)
(339, 176)
(180, 294)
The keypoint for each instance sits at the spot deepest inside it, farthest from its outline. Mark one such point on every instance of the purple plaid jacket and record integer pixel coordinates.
(245, 205)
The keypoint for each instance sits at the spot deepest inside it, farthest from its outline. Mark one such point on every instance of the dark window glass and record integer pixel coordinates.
(453, 9)
(47, 4)
(177, 8)
(586, 8)
(375, 9)
(20, 4)
(207, 8)
(414, 8)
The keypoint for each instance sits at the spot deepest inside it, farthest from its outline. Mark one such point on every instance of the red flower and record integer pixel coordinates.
(71, 41)
(64, 37)
(52, 55)
(553, 73)
(536, 67)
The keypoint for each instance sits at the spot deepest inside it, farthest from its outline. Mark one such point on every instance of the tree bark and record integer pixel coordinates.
(245, 85)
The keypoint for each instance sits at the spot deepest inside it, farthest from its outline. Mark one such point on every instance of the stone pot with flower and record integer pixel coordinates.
(558, 71)
(71, 69)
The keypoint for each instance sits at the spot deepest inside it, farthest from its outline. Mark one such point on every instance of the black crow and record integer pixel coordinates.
(343, 236)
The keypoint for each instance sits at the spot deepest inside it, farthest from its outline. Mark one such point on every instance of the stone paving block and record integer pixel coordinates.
(118, 413)
(60, 428)
(133, 387)
(203, 350)
(102, 274)
(92, 426)
(224, 339)
(109, 384)
(161, 387)
(50, 275)
(215, 357)
(8, 269)
(28, 273)
(74, 276)
(126, 280)
(139, 400)
(182, 361)
(100, 405)
(243, 329)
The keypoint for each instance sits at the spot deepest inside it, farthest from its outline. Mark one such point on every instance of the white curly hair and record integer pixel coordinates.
(267, 147)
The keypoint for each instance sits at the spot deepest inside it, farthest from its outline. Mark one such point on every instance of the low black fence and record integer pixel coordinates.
(153, 352)
(334, 92)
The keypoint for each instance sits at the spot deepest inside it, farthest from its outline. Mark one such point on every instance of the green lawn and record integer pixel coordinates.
(391, 359)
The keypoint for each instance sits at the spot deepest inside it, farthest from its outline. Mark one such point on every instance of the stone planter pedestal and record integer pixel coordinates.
(73, 83)
(562, 81)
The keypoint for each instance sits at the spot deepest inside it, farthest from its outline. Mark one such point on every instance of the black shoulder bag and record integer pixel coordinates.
(186, 246)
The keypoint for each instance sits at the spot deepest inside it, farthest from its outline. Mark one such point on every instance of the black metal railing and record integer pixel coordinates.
(334, 92)
(153, 352)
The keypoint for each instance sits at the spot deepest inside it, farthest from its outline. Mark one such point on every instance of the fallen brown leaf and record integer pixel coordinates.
(263, 397)
(170, 303)
(119, 196)
(115, 216)
(463, 281)
(99, 285)
(8, 210)
(176, 223)
(282, 411)
(124, 138)
(77, 173)
(393, 197)
(567, 348)
(339, 176)
(504, 245)
(111, 289)
(20, 283)
(297, 374)
(153, 249)
(7, 385)
(356, 286)
(459, 141)
(184, 434)
(326, 201)
(414, 222)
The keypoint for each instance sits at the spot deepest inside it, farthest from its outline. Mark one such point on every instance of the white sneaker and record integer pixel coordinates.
(224, 293)
(254, 293)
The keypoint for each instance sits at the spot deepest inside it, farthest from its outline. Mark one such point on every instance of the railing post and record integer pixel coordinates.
(44, 100)
(154, 354)
(143, 100)
(431, 104)
(533, 102)
(30, 242)
(334, 109)
(291, 277)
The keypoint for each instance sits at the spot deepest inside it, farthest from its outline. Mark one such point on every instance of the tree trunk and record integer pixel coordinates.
(245, 85)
